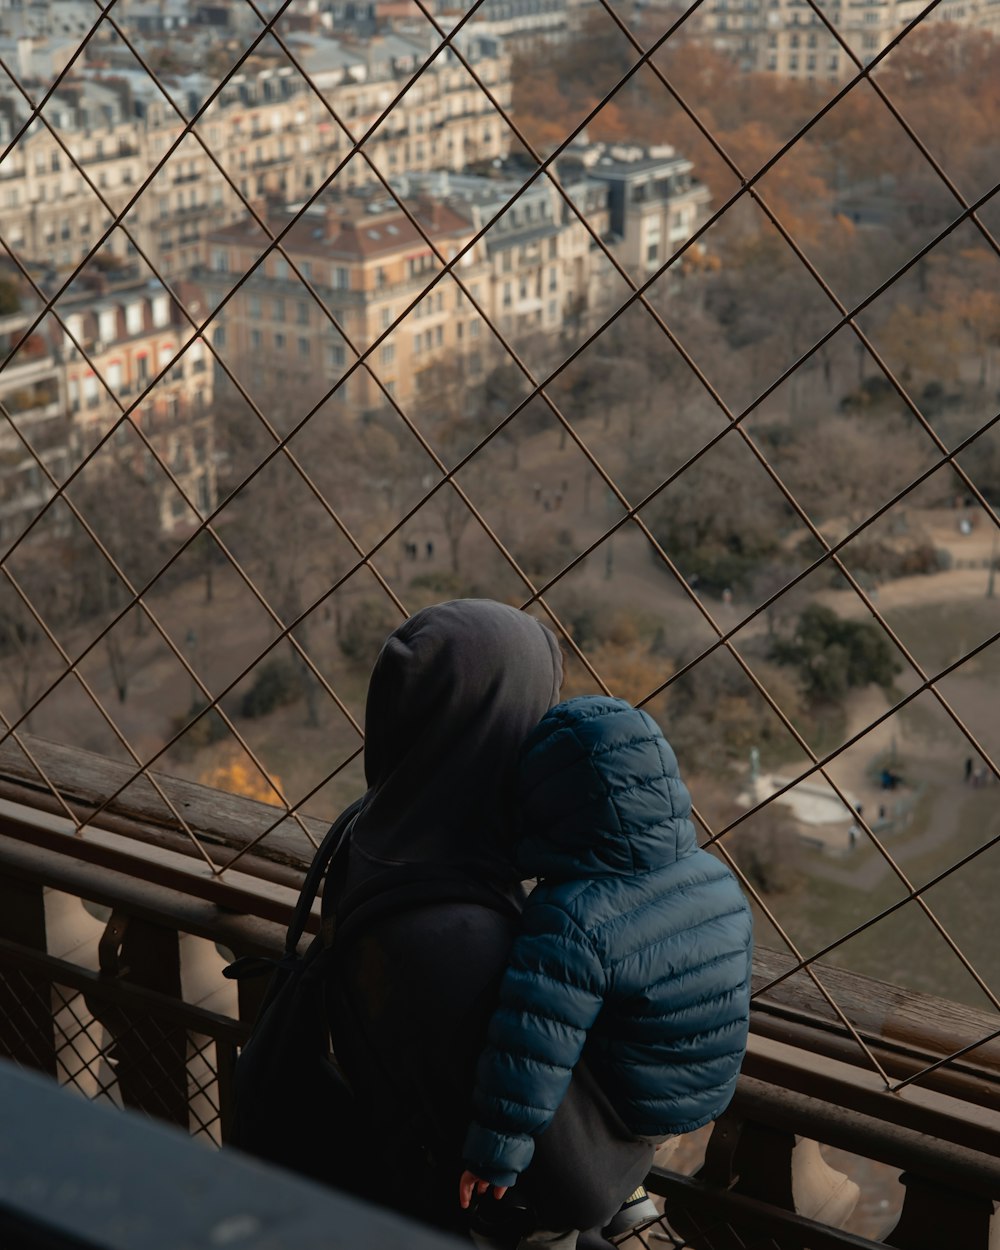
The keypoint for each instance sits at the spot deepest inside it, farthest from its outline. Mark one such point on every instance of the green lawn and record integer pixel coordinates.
(904, 947)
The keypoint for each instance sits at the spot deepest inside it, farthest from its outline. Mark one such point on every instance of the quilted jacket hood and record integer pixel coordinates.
(600, 794)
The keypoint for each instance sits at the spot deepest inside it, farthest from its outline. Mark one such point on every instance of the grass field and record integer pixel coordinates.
(951, 821)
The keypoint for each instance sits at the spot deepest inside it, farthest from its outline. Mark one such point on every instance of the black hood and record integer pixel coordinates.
(453, 694)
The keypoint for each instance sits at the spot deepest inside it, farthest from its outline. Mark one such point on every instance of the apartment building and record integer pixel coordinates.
(788, 37)
(34, 432)
(131, 331)
(654, 202)
(268, 134)
(49, 212)
(522, 25)
(536, 266)
(539, 251)
(367, 263)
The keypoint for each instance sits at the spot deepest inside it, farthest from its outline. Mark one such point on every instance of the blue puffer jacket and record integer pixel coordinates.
(634, 949)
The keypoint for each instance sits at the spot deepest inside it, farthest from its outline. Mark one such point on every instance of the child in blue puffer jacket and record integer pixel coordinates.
(633, 952)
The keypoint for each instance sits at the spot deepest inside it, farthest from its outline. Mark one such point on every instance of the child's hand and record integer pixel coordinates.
(470, 1182)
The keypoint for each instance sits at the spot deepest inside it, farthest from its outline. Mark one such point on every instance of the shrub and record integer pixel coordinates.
(278, 682)
(366, 629)
(833, 655)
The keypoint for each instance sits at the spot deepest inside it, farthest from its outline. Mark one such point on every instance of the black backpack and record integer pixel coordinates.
(293, 1104)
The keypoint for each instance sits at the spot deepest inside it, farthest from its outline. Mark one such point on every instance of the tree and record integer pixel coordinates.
(10, 299)
(833, 655)
(721, 519)
(116, 500)
(26, 655)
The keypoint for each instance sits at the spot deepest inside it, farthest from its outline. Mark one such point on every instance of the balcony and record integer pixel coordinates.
(113, 936)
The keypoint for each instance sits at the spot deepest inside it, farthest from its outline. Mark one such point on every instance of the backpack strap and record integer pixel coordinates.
(336, 838)
(326, 853)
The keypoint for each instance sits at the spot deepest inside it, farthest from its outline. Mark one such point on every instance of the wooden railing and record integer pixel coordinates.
(113, 938)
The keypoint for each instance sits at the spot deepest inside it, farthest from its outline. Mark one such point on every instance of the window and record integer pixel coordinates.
(335, 355)
(219, 336)
(385, 318)
(255, 339)
(279, 310)
(341, 278)
(279, 342)
(220, 260)
(254, 306)
(303, 347)
(388, 353)
(107, 325)
(161, 310)
(416, 344)
(113, 376)
(281, 268)
(302, 313)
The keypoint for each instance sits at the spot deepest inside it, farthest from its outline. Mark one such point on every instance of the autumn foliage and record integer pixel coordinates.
(236, 773)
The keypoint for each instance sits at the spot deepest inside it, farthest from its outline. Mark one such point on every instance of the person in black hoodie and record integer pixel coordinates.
(427, 901)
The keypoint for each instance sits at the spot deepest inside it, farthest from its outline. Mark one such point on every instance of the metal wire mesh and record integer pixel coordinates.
(125, 1056)
(215, 608)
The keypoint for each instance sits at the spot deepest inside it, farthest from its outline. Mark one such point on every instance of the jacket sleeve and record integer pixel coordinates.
(550, 996)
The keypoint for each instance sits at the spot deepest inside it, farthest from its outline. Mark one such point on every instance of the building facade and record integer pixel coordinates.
(34, 427)
(367, 263)
(132, 332)
(267, 134)
(788, 38)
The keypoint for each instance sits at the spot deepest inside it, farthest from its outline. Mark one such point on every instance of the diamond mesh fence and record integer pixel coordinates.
(676, 326)
(131, 1056)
